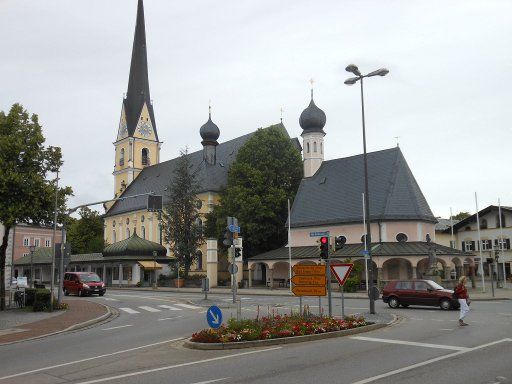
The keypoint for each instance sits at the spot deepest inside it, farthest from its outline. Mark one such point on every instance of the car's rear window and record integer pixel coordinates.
(92, 278)
(403, 285)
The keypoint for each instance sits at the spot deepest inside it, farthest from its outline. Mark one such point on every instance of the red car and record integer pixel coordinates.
(83, 283)
(418, 292)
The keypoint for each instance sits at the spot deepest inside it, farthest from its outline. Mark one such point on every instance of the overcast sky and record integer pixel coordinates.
(447, 95)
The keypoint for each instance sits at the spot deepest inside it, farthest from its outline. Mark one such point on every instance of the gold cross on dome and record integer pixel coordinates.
(311, 81)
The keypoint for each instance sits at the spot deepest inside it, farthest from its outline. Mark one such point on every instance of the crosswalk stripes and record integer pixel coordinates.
(162, 306)
(150, 309)
(188, 306)
(129, 310)
(170, 307)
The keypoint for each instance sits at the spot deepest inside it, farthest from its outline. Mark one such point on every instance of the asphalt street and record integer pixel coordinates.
(144, 344)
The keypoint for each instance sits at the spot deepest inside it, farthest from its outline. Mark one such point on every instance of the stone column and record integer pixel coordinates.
(447, 271)
(211, 261)
(250, 277)
(379, 276)
(414, 276)
(120, 281)
(271, 272)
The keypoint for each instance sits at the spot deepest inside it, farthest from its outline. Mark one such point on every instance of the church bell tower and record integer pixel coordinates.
(137, 145)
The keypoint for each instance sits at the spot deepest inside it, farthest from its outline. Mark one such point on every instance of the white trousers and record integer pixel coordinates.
(464, 308)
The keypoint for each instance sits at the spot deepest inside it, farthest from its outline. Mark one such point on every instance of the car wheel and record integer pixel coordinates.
(393, 302)
(445, 304)
(405, 305)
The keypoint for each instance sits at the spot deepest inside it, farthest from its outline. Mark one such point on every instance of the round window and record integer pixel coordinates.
(401, 238)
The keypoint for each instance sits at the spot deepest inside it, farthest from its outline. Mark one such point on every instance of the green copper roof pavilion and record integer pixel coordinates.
(134, 246)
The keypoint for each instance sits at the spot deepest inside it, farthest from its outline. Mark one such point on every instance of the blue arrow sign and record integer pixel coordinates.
(214, 317)
(234, 228)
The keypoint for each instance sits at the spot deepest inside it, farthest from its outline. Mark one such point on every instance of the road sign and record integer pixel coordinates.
(309, 269)
(365, 252)
(309, 290)
(342, 271)
(318, 234)
(234, 228)
(309, 280)
(232, 269)
(214, 317)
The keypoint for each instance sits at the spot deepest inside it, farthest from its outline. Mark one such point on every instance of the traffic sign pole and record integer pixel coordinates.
(329, 295)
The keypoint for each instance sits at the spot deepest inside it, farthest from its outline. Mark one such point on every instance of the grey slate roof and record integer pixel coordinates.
(45, 258)
(156, 178)
(138, 82)
(413, 248)
(486, 210)
(334, 193)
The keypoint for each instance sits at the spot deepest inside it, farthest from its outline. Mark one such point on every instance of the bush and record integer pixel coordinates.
(30, 295)
(352, 284)
(41, 300)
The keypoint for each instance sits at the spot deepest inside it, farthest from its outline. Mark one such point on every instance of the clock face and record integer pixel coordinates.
(145, 128)
(123, 129)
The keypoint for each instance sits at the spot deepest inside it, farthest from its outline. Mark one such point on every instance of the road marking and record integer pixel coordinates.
(88, 359)
(427, 362)
(169, 318)
(177, 366)
(129, 310)
(121, 326)
(188, 306)
(415, 318)
(149, 309)
(170, 307)
(412, 343)
(212, 381)
(110, 299)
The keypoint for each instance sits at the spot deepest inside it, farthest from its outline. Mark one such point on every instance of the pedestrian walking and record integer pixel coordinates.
(463, 297)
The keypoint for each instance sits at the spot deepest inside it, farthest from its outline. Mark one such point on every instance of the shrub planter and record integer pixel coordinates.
(179, 283)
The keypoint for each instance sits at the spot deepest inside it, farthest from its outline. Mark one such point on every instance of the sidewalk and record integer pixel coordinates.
(18, 324)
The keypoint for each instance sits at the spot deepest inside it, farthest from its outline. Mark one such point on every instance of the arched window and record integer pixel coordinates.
(114, 237)
(401, 238)
(483, 224)
(314, 146)
(307, 147)
(143, 232)
(121, 157)
(199, 260)
(145, 156)
(127, 233)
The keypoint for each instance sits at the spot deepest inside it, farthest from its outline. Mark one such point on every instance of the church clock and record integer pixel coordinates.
(145, 128)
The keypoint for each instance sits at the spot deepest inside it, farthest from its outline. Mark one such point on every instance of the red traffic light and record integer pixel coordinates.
(324, 240)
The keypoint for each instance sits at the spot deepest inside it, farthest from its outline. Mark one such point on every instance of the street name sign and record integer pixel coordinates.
(309, 290)
(318, 234)
(214, 317)
(309, 269)
(342, 271)
(234, 228)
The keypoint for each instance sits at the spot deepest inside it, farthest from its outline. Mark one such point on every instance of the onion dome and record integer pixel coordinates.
(209, 131)
(312, 119)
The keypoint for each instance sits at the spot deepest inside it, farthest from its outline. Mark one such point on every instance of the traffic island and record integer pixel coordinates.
(286, 329)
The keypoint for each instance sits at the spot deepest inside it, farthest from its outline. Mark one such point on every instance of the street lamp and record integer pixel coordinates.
(154, 269)
(359, 77)
(32, 248)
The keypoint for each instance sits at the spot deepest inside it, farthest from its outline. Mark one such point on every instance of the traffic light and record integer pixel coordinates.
(228, 238)
(238, 252)
(324, 247)
(339, 242)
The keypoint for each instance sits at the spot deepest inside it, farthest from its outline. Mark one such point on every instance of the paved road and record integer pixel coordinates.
(141, 345)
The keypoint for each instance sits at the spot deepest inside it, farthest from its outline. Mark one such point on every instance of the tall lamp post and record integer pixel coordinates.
(368, 239)
(154, 269)
(32, 248)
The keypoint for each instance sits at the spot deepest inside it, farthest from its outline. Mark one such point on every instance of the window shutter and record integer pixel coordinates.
(507, 243)
(464, 246)
(473, 246)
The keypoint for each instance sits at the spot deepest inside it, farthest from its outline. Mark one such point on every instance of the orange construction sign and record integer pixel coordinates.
(309, 269)
(307, 290)
(309, 280)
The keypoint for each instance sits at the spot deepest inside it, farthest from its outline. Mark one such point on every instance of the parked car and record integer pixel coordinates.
(83, 283)
(418, 292)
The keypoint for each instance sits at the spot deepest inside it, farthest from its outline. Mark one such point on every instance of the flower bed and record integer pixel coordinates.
(275, 327)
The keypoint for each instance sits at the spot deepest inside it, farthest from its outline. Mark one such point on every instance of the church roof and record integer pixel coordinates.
(334, 193)
(156, 178)
(138, 82)
(134, 246)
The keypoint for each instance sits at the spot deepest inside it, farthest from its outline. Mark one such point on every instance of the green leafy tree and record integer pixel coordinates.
(86, 234)
(461, 215)
(26, 195)
(265, 174)
(181, 214)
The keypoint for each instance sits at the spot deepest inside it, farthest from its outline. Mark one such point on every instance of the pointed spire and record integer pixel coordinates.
(311, 81)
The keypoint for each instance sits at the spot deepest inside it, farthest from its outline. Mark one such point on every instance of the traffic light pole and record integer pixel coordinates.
(329, 295)
(233, 274)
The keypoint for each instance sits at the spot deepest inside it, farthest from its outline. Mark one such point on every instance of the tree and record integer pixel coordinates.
(181, 214)
(265, 174)
(26, 196)
(461, 215)
(86, 234)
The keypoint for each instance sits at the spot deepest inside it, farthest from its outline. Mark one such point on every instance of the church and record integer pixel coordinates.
(329, 198)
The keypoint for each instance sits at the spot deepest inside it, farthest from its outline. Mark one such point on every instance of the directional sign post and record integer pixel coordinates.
(309, 280)
(342, 272)
(214, 317)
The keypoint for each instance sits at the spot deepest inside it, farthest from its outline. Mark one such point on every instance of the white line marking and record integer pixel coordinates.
(149, 309)
(213, 381)
(203, 311)
(129, 310)
(170, 307)
(415, 318)
(89, 358)
(121, 326)
(176, 366)
(110, 299)
(412, 343)
(423, 363)
(169, 318)
(188, 306)
(446, 329)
